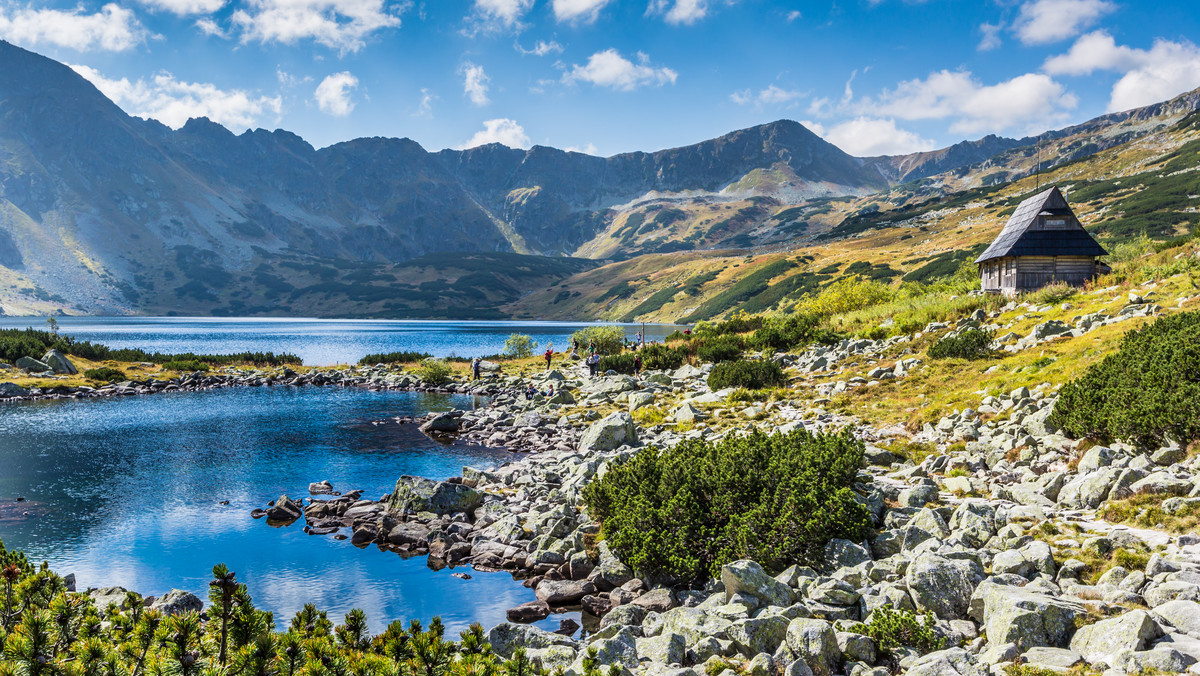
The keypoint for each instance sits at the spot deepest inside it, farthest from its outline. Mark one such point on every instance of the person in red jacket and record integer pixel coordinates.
(549, 355)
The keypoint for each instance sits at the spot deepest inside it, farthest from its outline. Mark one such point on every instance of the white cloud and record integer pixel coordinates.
(185, 7)
(475, 84)
(578, 11)
(113, 28)
(502, 130)
(425, 107)
(1150, 75)
(793, 15)
(339, 24)
(588, 149)
(609, 69)
(1023, 102)
(867, 137)
(333, 94)
(541, 48)
(680, 11)
(772, 95)
(1044, 21)
(210, 27)
(991, 36)
(505, 12)
(174, 102)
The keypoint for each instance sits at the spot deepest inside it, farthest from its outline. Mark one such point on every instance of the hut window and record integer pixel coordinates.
(1056, 222)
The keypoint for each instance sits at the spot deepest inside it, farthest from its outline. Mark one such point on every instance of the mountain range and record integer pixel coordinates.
(105, 213)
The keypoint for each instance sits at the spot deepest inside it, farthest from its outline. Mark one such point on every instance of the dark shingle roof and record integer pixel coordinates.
(1016, 239)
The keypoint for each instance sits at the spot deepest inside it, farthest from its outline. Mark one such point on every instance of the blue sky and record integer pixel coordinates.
(609, 76)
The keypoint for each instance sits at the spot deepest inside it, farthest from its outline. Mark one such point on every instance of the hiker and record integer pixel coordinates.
(476, 365)
(530, 392)
(637, 365)
(593, 364)
(548, 356)
(550, 391)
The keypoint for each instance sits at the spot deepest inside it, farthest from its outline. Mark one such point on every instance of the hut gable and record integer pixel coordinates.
(1043, 225)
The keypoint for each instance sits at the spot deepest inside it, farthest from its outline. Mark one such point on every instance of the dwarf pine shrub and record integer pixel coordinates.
(621, 363)
(685, 511)
(892, 629)
(434, 371)
(663, 357)
(969, 344)
(752, 375)
(1147, 392)
(104, 374)
(719, 349)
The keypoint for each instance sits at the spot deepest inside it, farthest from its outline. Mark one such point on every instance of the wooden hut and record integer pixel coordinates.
(1043, 242)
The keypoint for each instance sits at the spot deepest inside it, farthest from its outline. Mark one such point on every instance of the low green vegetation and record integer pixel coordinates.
(434, 371)
(403, 357)
(720, 349)
(784, 332)
(17, 343)
(621, 363)
(1146, 511)
(685, 511)
(48, 631)
(1053, 294)
(663, 357)
(188, 365)
(969, 344)
(519, 346)
(105, 374)
(1147, 392)
(745, 288)
(607, 339)
(892, 629)
(752, 375)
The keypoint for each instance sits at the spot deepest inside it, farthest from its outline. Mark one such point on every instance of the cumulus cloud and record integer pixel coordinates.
(1022, 102)
(504, 12)
(333, 94)
(867, 137)
(609, 69)
(541, 48)
(1149, 75)
(113, 28)
(173, 102)
(772, 95)
(578, 11)
(587, 149)
(185, 7)
(503, 131)
(339, 24)
(793, 15)
(680, 11)
(425, 107)
(1044, 21)
(475, 84)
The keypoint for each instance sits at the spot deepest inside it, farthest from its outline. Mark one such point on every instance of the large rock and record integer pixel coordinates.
(506, 637)
(418, 494)
(612, 431)
(619, 649)
(529, 612)
(666, 648)
(951, 662)
(58, 362)
(1099, 643)
(563, 592)
(941, 586)
(1022, 616)
(747, 577)
(105, 596)
(177, 602)
(444, 423)
(841, 553)
(32, 365)
(12, 390)
(695, 625)
(814, 642)
(759, 635)
(1181, 614)
(1088, 491)
(285, 510)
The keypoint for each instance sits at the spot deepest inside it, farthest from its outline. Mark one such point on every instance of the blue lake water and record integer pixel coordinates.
(319, 342)
(127, 492)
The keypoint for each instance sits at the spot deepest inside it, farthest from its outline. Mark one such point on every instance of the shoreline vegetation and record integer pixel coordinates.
(886, 479)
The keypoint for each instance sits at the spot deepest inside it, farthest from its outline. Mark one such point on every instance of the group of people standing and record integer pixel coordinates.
(592, 360)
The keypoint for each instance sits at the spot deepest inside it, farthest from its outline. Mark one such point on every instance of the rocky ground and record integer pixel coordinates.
(994, 532)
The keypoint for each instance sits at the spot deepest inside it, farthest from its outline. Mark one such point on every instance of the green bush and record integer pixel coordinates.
(685, 511)
(519, 346)
(105, 374)
(403, 357)
(970, 344)
(1147, 392)
(663, 357)
(608, 339)
(893, 629)
(719, 349)
(788, 331)
(188, 365)
(434, 371)
(1053, 294)
(752, 375)
(621, 363)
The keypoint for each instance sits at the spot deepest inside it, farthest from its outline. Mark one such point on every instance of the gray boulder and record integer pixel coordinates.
(418, 494)
(1162, 659)
(608, 433)
(941, 586)
(563, 592)
(32, 365)
(58, 362)
(815, 643)
(506, 637)
(840, 553)
(759, 635)
(747, 577)
(177, 602)
(12, 390)
(1099, 643)
(285, 509)
(951, 662)
(1023, 616)
(105, 596)
(666, 648)
(445, 423)
(1181, 614)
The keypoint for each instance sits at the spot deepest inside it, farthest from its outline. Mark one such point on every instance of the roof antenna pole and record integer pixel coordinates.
(1037, 170)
